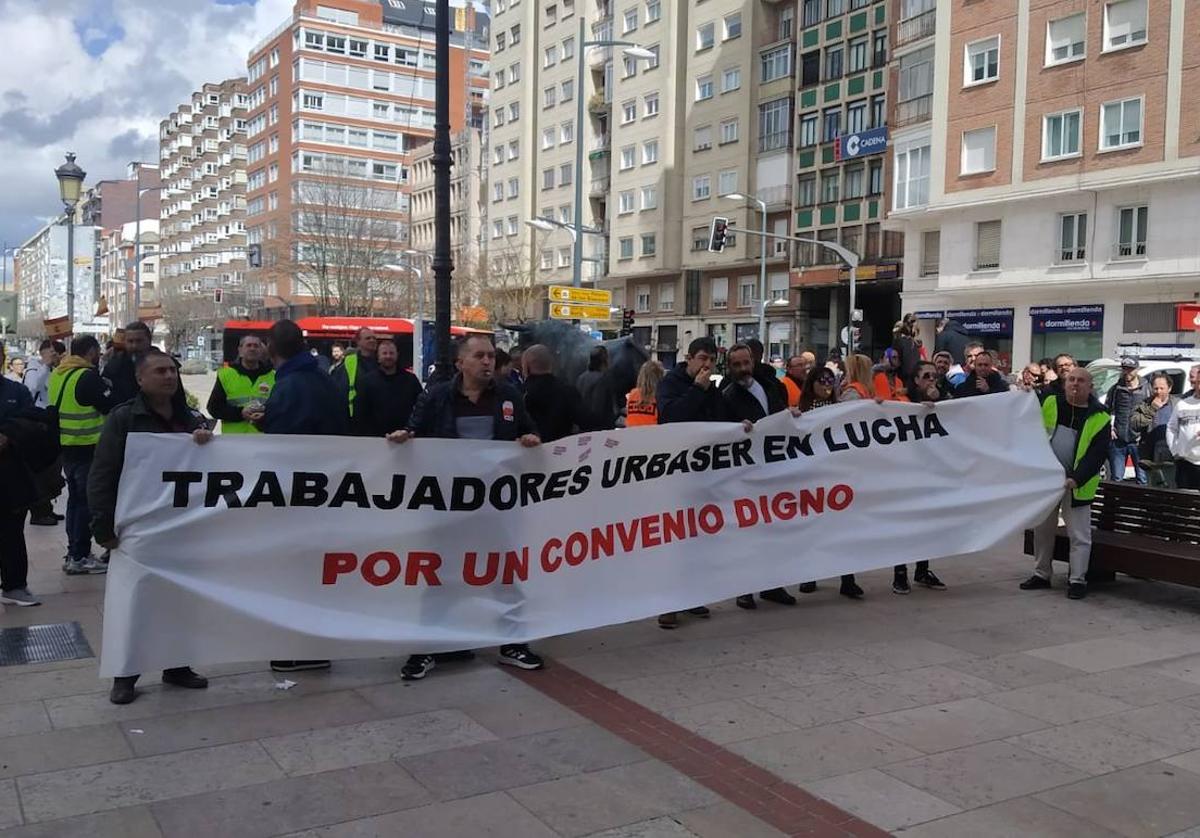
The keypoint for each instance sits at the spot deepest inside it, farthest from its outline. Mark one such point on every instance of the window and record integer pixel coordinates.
(625, 202)
(699, 238)
(877, 112)
(649, 152)
(1124, 24)
(655, 57)
(807, 187)
(858, 54)
(704, 88)
(733, 26)
(812, 13)
(720, 289)
(630, 21)
(911, 177)
(731, 79)
(653, 11)
(727, 182)
(1065, 39)
(916, 75)
(776, 63)
(666, 293)
(747, 295)
(628, 111)
(875, 178)
(931, 245)
(833, 62)
(854, 181)
(625, 251)
(515, 34)
(568, 48)
(833, 8)
(548, 137)
(649, 197)
(1072, 245)
(1132, 223)
(829, 186)
(497, 228)
(982, 61)
(701, 187)
(630, 65)
(785, 23)
(809, 125)
(550, 56)
(705, 36)
(987, 245)
(702, 138)
(547, 178)
(1060, 135)
(650, 102)
(514, 187)
(833, 124)
(550, 97)
(729, 130)
(547, 259)
(641, 293)
(514, 111)
(978, 151)
(567, 92)
(1121, 124)
(879, 48)
(628, 157)
(565, 174)
(566, 133)
(856, 117)
(774, 124)
(810, 68)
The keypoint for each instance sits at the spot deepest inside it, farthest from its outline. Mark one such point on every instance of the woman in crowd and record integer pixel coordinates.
(640, 406)
(820, 389)
(1149, 422)
(857, 383)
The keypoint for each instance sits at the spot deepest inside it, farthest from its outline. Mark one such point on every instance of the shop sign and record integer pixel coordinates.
(984, 321)
(1046, 319)
(1189, 317)
(861, 144)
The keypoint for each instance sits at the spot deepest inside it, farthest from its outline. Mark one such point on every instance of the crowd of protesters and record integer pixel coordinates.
(65, 422)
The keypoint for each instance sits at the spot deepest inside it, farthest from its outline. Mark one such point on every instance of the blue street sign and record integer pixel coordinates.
(1067, 318)
(984, 321)
(863, 143)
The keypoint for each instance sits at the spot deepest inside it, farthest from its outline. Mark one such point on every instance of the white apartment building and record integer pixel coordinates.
(118, 278)
(41, 265)
(1050, 203)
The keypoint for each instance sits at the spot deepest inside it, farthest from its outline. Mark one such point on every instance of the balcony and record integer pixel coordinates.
(599, 186)
(916, 28)
(774, 140)
(913, 111)
(775, 196)
(599, 104)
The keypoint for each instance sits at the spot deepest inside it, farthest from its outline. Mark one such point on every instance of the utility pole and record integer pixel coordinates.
(443, 264)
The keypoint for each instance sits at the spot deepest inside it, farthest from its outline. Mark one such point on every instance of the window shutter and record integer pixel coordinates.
(987, 245)
(931, 245)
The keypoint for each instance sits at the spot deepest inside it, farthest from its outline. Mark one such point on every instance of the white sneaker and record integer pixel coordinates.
(89, 565)
(19, 597)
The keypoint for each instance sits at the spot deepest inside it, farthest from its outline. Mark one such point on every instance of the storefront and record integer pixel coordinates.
(1075, 330)
(993, 327)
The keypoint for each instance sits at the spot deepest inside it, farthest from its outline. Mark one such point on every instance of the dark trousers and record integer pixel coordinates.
(1187, 475)
(14, 559)
(79, 517)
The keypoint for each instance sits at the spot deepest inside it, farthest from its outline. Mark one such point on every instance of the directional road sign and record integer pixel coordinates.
(571, 311)
(588, 296)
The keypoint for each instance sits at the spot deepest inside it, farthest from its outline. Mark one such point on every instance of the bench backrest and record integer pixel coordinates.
(1169, 514)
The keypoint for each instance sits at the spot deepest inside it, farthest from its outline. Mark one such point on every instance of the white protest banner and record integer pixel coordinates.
(323, 547)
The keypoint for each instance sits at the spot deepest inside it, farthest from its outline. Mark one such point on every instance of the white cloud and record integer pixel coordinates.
(56, 97)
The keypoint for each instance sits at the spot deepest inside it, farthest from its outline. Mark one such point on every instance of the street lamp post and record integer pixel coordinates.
(70, 184)
(633, 51)
(762, 270)
(137, 244)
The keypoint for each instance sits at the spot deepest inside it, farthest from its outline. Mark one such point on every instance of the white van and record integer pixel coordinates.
(1107, 371)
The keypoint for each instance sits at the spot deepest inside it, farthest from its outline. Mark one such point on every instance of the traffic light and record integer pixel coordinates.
(627, 321)
(717, 233)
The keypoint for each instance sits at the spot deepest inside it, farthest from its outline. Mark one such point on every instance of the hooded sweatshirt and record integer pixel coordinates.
(91, 390)
(1183, 429)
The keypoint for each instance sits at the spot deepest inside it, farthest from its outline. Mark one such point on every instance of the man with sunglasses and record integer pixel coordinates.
(923, 389)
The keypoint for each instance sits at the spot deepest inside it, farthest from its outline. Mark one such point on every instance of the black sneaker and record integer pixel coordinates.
(43, 521)
(1035, 583)
(746, 601)
(520, 656)
(183, 676)
(700, 611)
(1076, 590)
(416, 667)
(808, 587)
(929, 580)
(297, 666)
(778, 596)
(851, 589)
(900, 584)
(123, 691)
(668, 621)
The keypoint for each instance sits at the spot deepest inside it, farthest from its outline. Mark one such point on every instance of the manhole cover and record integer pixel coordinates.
(43, 644)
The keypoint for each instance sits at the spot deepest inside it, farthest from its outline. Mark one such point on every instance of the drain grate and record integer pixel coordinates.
(43, 644)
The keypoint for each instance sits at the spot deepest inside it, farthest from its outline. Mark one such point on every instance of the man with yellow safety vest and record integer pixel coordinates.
(82, 398)
(242, 388)
(356, 364)
(1078, 427)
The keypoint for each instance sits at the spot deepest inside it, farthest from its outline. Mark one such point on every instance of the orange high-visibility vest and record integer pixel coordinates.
(639, 413)
(885, 390)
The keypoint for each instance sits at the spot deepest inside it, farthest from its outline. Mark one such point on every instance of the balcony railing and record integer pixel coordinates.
(915, 28)
(775, 195)
(914, 110)
(774, 140)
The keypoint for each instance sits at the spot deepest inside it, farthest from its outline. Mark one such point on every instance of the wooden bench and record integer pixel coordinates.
(1141, 531)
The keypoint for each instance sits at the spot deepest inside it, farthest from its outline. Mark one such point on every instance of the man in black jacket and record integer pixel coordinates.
(748, 401)
(983, 378)
(952, 338)
(472, 405)
(555, 406)
(154, 409)
(386, 395)
(1121, 401)
(764, 374)
(355, 364)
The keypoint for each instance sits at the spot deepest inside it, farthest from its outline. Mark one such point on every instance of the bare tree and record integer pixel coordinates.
(186, 314)
(508, 287)
(344, 233)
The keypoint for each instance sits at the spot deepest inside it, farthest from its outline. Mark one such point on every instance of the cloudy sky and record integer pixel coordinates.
(96, 76)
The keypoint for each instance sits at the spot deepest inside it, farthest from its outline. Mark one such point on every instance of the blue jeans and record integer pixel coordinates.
(1117, 452)
(79, 517)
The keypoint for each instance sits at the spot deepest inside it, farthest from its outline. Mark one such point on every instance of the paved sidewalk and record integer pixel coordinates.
(979, 711)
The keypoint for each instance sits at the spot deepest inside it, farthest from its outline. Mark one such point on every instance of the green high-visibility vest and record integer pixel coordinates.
(78, 425)
(240, 390)
(1094, 424)
(350, 362)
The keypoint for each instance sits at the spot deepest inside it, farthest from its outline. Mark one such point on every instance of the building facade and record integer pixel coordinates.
(41, 266)
(118, 277)
(1049, 200)
(202, 154)
(341, 94)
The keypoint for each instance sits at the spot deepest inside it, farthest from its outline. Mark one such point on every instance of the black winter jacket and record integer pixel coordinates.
(305, 401)
(741, 403)
(953, 339)
(32, 444)
(680, 400)
(385, 402)
(434, 414)
(556, 407)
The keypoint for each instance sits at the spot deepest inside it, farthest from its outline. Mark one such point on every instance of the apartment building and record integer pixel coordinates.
(202, 221)
(341, 94)
(1049, 199)
(41, 266)
(468, 212)
(116, 272)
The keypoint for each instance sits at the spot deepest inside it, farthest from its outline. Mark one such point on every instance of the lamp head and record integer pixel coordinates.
(70, 181)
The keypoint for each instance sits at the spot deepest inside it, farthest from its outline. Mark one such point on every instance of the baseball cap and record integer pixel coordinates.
(1128, 363)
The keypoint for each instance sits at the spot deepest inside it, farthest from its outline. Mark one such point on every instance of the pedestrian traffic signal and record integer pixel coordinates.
(627, 321)
(716, 234)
